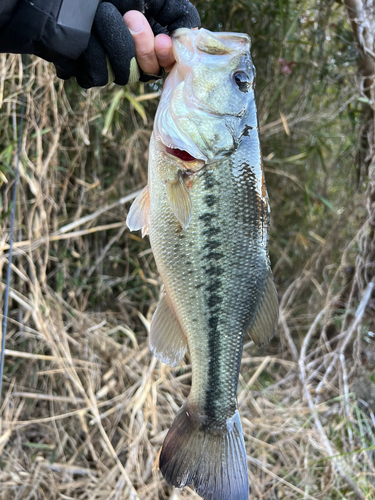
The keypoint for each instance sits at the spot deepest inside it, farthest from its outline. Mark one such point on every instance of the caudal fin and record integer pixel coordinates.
(213, 460)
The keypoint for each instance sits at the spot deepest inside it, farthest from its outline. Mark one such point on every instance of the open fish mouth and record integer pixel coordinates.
(174, 142)
(181, 154)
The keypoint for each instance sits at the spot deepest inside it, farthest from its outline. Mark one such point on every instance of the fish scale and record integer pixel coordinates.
(206, 211)
(213, 264)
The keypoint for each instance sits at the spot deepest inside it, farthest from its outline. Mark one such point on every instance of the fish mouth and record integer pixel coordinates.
(180, 153)
(178, 144)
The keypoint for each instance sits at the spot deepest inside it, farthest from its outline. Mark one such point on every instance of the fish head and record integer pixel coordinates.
(208, 98)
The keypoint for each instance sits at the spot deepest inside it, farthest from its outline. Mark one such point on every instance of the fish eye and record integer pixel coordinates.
(242, 81)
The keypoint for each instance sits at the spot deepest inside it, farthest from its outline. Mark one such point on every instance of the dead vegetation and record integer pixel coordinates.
(85, 406)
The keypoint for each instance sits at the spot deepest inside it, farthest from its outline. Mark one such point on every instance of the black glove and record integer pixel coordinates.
(111, 41)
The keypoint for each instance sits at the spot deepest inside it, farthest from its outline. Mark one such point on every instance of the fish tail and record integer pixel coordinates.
(212, 459)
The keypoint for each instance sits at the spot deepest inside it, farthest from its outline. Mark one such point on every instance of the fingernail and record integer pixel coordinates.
(135, 25)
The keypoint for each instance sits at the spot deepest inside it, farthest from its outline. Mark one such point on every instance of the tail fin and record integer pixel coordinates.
(213, 460)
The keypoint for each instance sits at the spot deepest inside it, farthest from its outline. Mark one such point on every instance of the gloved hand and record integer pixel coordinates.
(111, 42)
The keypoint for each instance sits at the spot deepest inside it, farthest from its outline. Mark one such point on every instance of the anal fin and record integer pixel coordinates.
(179, 200)
(138, 216)
(167, 340)
(265, 324)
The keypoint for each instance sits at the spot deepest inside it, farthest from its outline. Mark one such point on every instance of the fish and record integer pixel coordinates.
(207, 214)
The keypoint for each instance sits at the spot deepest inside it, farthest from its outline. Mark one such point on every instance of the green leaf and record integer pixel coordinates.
(6, 153)
(363, 99)
(296, 158)
(326, 203)
(40, 132)
(111, 110)
(39, 446)
(136, 105)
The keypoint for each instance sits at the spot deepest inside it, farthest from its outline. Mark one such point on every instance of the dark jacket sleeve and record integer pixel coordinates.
(7, 9)
(47, 28)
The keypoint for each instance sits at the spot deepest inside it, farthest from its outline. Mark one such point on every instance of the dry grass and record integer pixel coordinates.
(85, 406)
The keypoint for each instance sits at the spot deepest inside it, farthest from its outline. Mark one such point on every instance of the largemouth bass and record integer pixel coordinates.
(207, 213)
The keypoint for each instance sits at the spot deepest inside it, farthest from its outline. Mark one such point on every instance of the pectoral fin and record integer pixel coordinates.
(179, 200)
(167, 340)
(265, 324)
(138, 216)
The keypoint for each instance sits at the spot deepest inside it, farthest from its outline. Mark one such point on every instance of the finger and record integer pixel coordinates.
(117, 43)
(143, 40)
(164, 52)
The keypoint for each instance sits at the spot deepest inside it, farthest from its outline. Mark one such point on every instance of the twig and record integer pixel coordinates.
(281, 480)
(347, 337)
(47, 397)
(288, 336)
(97, 213)
(28, 355)
(33, 245)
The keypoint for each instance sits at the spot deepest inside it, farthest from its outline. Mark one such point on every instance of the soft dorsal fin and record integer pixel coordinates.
(179, 200)
(138, 216)
(265, 324)
(167, 340)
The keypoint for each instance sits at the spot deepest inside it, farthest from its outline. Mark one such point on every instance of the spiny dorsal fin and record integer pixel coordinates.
(138, 216)
(179, 200)
(265, 324)
(167, 340)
